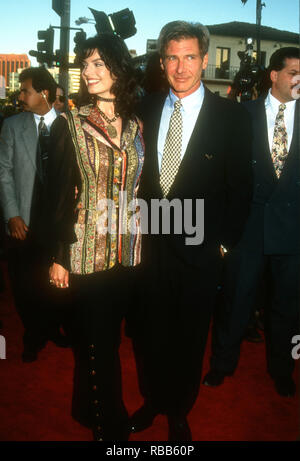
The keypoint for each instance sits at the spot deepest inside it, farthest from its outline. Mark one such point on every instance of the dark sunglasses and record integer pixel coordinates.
(61, 98)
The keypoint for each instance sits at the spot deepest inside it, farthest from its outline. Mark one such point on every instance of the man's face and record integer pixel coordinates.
(59, 102)
(30, 99)
(183, 66)
(283, 80)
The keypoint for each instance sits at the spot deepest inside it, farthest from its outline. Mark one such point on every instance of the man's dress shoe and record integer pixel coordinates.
(214, 378)
(142, 418)
(179, 430)
(285, 386)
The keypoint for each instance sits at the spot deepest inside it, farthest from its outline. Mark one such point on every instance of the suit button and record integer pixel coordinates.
(253, 162)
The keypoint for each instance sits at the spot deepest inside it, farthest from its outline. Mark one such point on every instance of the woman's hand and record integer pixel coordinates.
(59, 276)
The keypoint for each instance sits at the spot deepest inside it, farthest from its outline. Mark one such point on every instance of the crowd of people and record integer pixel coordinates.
(73, 182)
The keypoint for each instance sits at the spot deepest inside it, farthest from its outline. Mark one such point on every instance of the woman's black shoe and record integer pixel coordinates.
(179, 430)
(110, 434)
(142, 418)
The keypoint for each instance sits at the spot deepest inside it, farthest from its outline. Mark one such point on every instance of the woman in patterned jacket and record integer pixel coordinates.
(95, 160)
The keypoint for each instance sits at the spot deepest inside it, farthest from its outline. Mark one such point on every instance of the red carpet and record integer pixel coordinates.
(35, 399)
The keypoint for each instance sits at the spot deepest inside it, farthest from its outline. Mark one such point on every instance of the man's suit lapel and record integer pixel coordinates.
(152, 143)
(292, 160)
(261, 140)
(30, 139)
(262, 143)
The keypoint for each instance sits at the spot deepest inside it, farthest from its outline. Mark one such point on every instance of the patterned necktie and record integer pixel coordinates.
(172, 151)
(279, 146)
(43, 145)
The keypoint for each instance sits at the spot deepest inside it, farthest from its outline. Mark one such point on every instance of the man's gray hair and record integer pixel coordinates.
(177, 30)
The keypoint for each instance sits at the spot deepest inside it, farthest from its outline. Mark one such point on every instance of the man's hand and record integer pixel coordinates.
(17, 228)
(59, 276)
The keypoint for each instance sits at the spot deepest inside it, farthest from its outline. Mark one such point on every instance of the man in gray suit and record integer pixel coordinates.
(23, 161)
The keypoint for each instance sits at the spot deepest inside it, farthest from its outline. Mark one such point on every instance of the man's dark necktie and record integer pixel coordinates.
(43, 146)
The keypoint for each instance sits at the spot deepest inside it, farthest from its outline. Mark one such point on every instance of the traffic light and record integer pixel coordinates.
(124, 23)
(47, 37)
(58, 6)
(79, 38)
(102, 22)
(57, 58)
(121, 23)
(44, 53)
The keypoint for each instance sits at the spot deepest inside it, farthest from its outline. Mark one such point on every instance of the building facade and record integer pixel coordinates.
(74, 78)
(10, 63)
(229, 39)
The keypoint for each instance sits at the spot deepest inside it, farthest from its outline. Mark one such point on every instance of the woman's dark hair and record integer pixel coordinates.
(62, 89)
(154, 77)
(117, 59)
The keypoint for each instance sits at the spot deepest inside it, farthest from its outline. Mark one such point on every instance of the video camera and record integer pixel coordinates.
(249, 73)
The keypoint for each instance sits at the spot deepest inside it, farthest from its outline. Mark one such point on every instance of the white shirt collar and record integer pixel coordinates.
(191, 101)
(274, 104)
(48, 118)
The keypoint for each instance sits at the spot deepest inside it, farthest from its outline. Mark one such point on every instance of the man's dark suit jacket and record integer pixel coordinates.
(216, 167)
(275, 210)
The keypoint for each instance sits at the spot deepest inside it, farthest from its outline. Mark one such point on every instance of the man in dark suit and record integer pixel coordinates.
(197, 152)
(272, 234)
(23, 161)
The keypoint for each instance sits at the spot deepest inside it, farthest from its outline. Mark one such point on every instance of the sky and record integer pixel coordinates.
(21, 19)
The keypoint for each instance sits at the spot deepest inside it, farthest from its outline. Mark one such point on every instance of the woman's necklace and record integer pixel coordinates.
(111, 130)
(100, 98)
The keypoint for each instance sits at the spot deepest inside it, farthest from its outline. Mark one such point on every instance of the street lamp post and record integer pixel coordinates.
(64, 45)
(259, 7)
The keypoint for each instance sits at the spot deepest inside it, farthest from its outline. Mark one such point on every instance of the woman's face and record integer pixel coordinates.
(97, 76)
